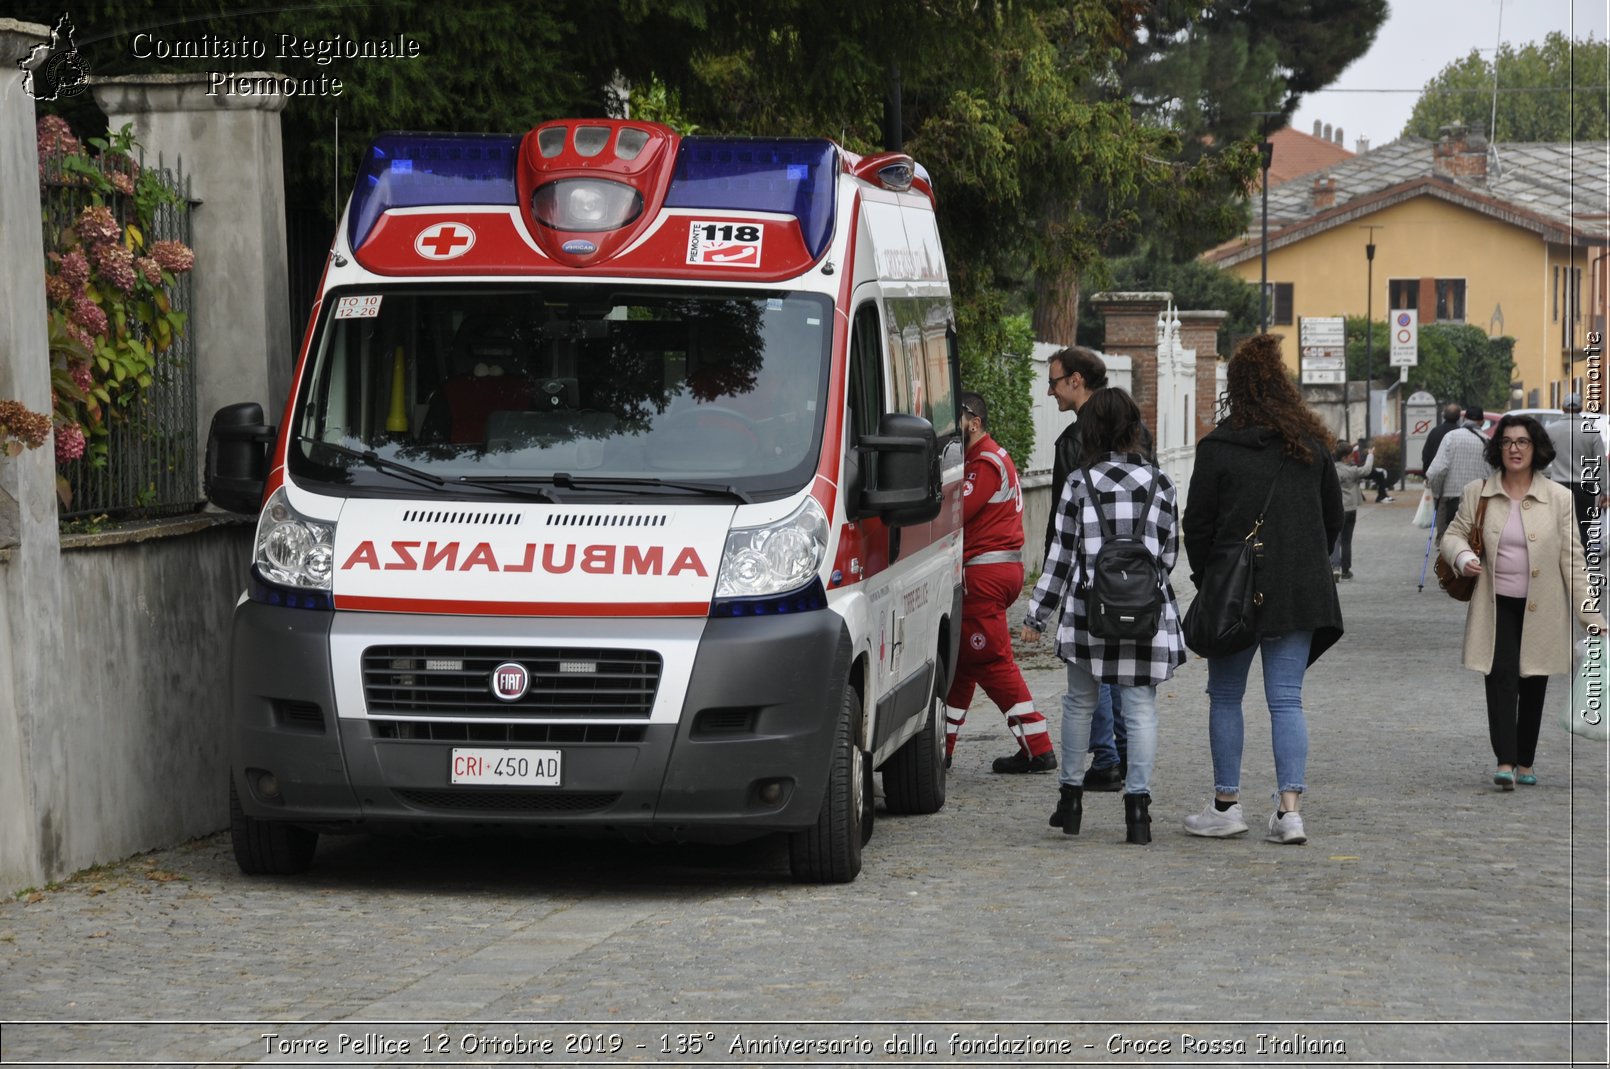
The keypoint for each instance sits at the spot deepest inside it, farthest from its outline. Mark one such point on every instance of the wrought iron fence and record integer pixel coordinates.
(152, 467)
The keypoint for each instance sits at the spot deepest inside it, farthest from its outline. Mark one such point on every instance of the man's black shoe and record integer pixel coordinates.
(1021, 762)
(1108, 778)
(947, 761)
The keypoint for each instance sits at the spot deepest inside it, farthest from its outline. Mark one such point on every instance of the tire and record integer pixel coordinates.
(914, 775)
(830, 852)
(268, 847)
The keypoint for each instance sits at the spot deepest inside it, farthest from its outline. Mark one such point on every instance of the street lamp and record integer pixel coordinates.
(1266, 151)
(1369, 327)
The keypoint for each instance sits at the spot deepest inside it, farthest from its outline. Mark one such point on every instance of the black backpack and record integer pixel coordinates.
(1124, 590)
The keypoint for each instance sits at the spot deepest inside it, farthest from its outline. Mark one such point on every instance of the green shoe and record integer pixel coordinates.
(1505, 780)
(1526, 779)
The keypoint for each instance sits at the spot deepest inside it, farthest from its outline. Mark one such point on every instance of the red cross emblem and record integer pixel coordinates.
(444, 241)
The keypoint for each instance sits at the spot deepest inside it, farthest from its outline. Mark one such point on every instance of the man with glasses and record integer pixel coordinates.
(992, 552)
(1075, 374)
(1461, 459)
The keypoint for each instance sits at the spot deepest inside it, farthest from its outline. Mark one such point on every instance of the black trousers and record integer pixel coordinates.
(1342, 556)
(1514, 702)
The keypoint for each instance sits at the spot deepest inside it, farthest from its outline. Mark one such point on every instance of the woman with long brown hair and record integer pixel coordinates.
(1271, 448)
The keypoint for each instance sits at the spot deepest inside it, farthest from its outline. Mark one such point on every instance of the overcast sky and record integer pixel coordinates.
(1373, 97)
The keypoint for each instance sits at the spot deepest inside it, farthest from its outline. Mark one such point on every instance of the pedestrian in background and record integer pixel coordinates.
(992, 576)
(1380, 478)
(1349, 476)
(1136, 498)
(1270, 438)
(1531, 580)
(1450, 420)
(1076, 373)
(1578, 464)
(1461, 460)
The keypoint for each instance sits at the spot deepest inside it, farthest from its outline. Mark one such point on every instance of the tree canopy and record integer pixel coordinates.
(1548, 91)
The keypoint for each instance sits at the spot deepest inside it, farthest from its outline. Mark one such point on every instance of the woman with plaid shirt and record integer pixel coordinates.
(1121, 483)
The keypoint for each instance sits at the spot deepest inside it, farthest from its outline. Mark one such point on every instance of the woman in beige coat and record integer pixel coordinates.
(1531, 581)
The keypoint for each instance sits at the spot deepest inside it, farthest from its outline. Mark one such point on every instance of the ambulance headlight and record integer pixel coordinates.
(293, 550)
(776, 557)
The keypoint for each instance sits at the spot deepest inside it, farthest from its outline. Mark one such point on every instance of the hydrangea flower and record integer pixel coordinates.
(81, 374)
(29, 428)
(174, 256)
(149, 269)
(97, 226)
(116, 265)
(74, 269)
(89, 315)
(57, 291)
(69, 442)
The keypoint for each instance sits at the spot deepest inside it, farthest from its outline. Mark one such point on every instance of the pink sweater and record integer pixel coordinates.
(1512, 566)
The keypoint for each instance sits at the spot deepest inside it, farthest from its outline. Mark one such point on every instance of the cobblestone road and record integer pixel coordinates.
(1429, 920)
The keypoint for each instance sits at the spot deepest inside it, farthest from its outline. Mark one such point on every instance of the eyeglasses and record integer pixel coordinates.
(1518, 444)
(1058, 378)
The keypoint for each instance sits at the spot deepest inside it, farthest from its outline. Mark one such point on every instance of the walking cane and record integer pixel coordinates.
(1431, 536)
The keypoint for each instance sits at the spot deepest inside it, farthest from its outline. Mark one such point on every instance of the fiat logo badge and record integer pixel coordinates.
(509, 681)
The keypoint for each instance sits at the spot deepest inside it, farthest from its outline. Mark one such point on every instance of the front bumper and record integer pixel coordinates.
(759, 709)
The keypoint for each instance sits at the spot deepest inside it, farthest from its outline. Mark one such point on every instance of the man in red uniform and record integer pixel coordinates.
(992, 545)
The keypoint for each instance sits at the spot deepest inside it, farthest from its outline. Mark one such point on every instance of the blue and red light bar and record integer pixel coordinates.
(787, 176)
(403, 170)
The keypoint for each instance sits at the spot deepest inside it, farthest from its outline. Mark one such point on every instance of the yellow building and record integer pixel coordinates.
(1512, 241)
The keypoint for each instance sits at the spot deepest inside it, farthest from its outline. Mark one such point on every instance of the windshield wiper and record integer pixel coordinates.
(376, 461)
(569, 482)
(404, 471)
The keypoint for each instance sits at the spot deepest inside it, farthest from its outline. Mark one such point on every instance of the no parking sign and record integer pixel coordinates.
(1405, 326)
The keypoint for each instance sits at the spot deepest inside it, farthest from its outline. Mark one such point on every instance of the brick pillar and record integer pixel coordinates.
(1132, 332)
(1200, 331)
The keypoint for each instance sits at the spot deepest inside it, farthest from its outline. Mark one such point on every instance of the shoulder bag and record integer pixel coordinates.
(1223, 617)
(1463, 587)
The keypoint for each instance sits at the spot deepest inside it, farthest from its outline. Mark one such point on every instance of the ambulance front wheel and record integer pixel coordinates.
(914, 776)
(266, 847)
(830, 852)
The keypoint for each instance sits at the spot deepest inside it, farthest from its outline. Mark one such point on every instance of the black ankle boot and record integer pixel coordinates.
(1070, 809)
(1138, 817)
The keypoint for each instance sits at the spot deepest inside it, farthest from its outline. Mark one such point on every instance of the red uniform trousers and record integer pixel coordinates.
(986, 660)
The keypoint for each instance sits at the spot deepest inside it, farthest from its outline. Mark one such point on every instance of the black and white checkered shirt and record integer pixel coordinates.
(1121, 485)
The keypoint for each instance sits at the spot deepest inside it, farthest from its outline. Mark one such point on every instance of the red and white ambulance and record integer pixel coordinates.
(618, 492)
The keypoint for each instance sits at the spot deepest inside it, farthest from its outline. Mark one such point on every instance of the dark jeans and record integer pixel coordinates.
(1514, 702)
(1447, 509)
(1342, 556)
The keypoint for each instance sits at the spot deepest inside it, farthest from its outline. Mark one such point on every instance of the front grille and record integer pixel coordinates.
(469, 731)
(511, 801)
(457, 681)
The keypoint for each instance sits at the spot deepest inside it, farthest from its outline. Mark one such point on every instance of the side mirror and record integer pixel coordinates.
(237, 457)
(901, 471)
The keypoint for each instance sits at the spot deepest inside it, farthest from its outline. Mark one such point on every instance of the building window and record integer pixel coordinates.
(1451, 300)
(1279, 297)
(1403, 294)
(1556, 301)
(1570, 304)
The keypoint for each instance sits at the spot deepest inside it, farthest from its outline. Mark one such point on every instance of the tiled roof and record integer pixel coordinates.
(1555, 189)
(1297, 154)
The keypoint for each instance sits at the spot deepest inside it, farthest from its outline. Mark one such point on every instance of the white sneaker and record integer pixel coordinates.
(1288, 830)
(1216, 825)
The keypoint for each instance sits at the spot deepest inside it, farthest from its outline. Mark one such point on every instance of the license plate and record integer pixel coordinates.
(509, 768)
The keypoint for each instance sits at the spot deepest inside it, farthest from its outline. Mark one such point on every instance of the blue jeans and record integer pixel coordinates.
(1140, 712)
(1285, 659)
(1108, 736)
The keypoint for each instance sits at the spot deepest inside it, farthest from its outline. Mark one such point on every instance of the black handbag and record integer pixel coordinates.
(1223, 617)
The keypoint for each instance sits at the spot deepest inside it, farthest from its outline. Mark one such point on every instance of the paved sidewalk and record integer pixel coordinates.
(1429, 920)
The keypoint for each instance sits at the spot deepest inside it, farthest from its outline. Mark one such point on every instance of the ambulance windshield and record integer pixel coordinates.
(614, 385)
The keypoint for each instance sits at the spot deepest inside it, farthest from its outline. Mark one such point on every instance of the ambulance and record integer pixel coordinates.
(617, 493)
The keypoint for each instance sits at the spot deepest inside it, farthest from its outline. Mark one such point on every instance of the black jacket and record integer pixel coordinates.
(1228, 486)
(1428, 452)
(1068, 454)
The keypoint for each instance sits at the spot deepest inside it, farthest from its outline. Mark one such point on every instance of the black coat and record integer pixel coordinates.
(1428, 452)
(1228, 486)
(1066, 455)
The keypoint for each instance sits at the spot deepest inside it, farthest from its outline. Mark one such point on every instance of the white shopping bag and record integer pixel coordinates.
(1426, 514)
(1587, 714)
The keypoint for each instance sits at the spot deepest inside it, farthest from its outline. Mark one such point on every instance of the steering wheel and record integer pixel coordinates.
(676, 420)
